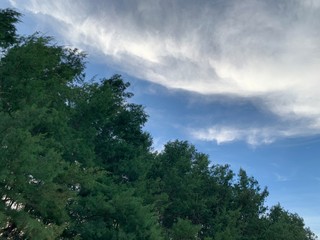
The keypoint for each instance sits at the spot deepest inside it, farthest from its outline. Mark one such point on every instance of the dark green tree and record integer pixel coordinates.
(104, 209)
(58, 135)
(177, 178)
(33, 202)
(186, 191)
(249, 199)
(183, 229)
(8, 18)
(282, 225)
(114, 127)
(33, 80)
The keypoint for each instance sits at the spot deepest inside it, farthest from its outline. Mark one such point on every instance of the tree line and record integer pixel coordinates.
(75, 162)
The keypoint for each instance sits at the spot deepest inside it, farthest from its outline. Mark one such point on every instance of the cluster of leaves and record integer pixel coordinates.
(75, 162)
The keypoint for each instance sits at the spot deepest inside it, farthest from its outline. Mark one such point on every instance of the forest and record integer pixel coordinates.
(76, 163)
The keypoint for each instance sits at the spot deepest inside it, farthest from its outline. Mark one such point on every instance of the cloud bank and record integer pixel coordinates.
(268, 50)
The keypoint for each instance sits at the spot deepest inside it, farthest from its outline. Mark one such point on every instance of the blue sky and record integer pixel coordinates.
(239, 79)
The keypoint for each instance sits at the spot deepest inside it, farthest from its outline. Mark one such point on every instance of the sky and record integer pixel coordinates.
(238, 79)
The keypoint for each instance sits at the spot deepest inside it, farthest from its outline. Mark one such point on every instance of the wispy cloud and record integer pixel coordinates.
(252, 135)
(267, 50)
(221, 134)
(281, 178)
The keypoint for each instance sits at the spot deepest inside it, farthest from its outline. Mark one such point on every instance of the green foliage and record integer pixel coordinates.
(217, 203)
(183, 229)
(113, 126)
(35, 64)
(283, 225)
(249, 199)
(8, 18)
(75, 162)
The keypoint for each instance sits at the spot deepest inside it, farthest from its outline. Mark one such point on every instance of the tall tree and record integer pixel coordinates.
(249, 199)
(8, 18)
(283, 225)
(33, 79)
(114, 127)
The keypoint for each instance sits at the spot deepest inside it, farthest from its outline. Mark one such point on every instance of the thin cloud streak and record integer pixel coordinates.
(222, 134)
(281, 178)
(253, 49)
(254, 136)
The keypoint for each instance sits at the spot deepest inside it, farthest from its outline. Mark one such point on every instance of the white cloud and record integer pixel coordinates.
(254, 136)
(281, 178)
(263, 49)
(222, 134)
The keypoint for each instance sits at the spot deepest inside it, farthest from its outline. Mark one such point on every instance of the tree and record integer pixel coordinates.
(33, 201)
(287, 226)
(249, 199)
(114, 127)
(105, 209)
(179, 174)
(183, 229)
(8, 18)
(192, 195)
(34, 64)
(56, 134)
(33, 79)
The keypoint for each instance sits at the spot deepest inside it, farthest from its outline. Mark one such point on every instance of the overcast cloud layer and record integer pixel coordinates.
(262, 49)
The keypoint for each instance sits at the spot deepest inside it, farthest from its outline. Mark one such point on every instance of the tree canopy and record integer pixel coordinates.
(76, 163)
